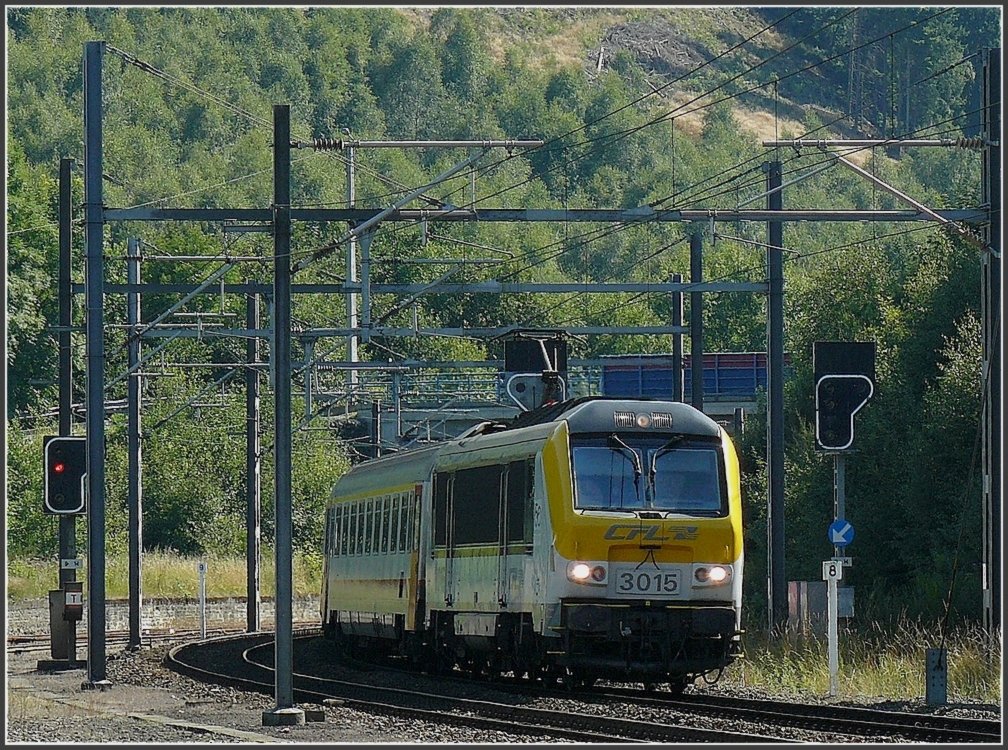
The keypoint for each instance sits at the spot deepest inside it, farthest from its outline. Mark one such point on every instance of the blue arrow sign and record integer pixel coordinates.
(841, 533)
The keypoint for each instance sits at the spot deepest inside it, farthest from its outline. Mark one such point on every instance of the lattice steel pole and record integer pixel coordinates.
(285, 712)
(776, 579)
(94, 282)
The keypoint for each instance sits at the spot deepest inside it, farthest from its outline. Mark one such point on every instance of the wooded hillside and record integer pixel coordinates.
(661, 107)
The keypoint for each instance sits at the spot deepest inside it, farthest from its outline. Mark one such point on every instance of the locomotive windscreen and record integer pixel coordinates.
(633, 472)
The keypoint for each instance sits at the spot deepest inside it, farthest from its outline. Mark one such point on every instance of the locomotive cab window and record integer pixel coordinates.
(629, 472)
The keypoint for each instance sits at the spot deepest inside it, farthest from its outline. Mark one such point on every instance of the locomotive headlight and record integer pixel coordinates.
(581, 572)
(643, 420)
(711, 575)
(717, 574)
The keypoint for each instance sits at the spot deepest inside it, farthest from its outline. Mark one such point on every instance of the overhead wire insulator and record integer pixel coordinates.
(971, 143)
(327, 144)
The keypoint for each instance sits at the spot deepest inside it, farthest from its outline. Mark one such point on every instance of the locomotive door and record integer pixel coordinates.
(411, 532)
(446, 528)
(502, 541)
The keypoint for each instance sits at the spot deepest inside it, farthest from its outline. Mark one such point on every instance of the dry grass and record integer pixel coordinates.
(166, 575)
(887, 664)
(25, 706)
(761, 123)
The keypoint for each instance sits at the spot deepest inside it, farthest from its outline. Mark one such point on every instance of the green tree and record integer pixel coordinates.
(32, 263)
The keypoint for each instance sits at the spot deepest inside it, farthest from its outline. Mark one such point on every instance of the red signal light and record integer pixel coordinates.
(59, 467)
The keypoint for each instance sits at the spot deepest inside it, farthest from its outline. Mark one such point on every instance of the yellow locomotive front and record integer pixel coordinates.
(645, 509)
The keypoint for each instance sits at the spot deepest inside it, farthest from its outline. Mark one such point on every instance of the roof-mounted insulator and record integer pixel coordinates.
(327, 144)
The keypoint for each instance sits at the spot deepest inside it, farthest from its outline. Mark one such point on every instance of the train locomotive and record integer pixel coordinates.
(591, 537)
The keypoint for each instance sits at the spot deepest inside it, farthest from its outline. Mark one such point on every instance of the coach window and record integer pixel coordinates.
(385, 503)
(348, 530)
(403, 510)
(352, 530)
(390, 519)
(337, 542)
(368, 525)
(345, 531)
(394, 523)
(406, 531)
(393, 531)
(359, 530)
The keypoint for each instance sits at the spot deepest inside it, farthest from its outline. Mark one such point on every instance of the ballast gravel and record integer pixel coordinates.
(148, 703)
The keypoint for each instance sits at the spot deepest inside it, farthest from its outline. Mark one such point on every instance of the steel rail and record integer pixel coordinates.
(849, 720)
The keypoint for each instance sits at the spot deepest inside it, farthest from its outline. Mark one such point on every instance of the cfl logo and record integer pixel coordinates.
(628, 532)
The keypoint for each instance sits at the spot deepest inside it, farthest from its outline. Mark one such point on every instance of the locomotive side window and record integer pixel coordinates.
(519, 501)
(476, 500)
(441, 482)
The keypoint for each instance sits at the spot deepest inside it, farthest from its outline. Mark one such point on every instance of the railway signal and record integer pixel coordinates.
(844, 377)
(63, 475)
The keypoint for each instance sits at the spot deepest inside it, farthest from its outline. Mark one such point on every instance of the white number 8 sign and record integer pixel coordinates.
(832, 570)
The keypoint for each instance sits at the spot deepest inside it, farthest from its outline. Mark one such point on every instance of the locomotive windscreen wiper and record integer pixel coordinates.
(653, 468)
(635, 461)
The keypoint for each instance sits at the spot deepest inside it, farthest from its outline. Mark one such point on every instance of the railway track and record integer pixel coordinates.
(246, 662)
(849, 721)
